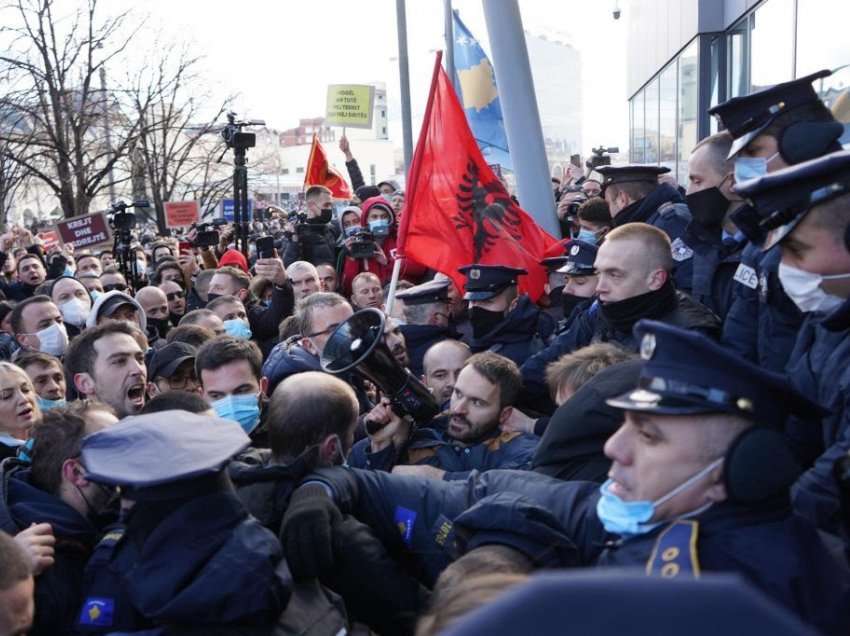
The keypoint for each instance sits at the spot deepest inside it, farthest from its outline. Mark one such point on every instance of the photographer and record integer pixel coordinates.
(311, 236)
(371, 249)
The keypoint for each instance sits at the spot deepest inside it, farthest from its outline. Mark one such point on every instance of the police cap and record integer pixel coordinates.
(485, 281)
(144, 451)
(434, 291)
(554, 263)
(783, 198)
(746, 117)
(685, 373)
(580, 258)
(166, 360)
(612, 175)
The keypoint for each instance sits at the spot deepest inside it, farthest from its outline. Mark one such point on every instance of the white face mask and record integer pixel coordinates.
(75, 311)
(804, 288)
(53, 339)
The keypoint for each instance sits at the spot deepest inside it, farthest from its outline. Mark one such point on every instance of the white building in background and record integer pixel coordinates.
(556, 69)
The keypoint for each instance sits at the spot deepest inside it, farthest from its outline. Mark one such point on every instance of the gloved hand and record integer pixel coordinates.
(306, 533)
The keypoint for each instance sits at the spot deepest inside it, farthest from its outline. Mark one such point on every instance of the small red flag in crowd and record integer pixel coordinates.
(320, 172)
(457, 210)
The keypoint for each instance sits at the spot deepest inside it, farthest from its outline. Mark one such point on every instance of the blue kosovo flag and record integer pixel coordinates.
(476, 83)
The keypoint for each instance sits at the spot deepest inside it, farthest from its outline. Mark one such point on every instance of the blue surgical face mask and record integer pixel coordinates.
(747, 168)
(45, 404)
(95, 295)
(70, 270)
(238, 328)
(351, 230)
(588, 236)
(379, 227)
(630, 518)
(244, 409)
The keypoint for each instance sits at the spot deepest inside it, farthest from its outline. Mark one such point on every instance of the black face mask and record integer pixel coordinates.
(623, 314)
(708, 207)
(162, 325)
(555, 296)
(566, 228)
(325, 216)
(484, 321)
(569, 302)
(211, 297)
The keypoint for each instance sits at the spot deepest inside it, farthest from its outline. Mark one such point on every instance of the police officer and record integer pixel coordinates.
(698, 483)
(773, 128)
(580, 281)
(171, 561)
(810, 216)
(427, 316)
(634, 195)
(503, 320)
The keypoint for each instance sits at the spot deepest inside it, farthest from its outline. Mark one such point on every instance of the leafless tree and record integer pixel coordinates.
(12, 177)
(50, 68)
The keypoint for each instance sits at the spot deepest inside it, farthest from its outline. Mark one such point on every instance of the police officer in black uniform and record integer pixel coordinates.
(427, 316)
(773, 128)
(502, 320)
(634, 195)
(580, 283)
(699, 483)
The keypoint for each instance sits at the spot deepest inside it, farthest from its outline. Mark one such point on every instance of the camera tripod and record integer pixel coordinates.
(239, 142)
(122, 224)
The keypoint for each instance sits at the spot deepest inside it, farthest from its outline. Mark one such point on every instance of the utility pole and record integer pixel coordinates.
(108, 132)
(404, 81)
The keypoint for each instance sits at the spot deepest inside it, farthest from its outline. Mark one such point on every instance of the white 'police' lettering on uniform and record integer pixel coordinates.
(747, 276)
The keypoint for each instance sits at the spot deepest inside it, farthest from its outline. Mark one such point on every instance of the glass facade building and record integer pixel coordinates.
(763, 44)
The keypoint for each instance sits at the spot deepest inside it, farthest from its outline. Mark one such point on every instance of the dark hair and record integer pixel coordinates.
(194, 335)
(6, 308)
(194, 316)
(719, 144)
(596, 210)
(314, 191)
(307, 407)
(307, 307)
(37, 357)
(287, 328)
(80, 356)
(58, 437)
(498, 370)
(17, 318)
(15, 564)
(163, 266)
(242, 279)
(176, 401)
(226, 349)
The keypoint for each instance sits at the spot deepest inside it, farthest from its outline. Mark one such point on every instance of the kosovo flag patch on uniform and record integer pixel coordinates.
(404, 521)
(97, 611)
(675, 552)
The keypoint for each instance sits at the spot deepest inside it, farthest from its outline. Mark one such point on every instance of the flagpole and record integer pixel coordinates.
(450, 41)
(404, 80)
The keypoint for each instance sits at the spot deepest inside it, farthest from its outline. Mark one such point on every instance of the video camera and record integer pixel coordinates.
(207, 236)
(363, 245)
(122, 220)
(601, 156)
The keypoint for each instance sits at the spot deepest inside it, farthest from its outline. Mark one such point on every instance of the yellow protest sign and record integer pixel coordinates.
(350, 105)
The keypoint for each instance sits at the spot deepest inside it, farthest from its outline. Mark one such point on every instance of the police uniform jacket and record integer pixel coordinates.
(665, 208)
(715, 262)
(433, 447)
(590, 326)
(818, 368)
(57, 589)
(419, 339)
(523, 332)
(175, 563)
(762, 322)
(777, 552)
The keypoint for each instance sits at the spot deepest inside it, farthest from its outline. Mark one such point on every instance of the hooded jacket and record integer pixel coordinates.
(288, 358)
(58, 589)
(410, 270)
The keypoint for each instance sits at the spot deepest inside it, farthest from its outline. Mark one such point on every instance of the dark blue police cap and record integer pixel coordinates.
(616, 602)
(485, 281)
(580, 258)
(685, 373)
(746, 117)
(143, 451)
(434, 291)
(783, 198)
(612, 175)
(553, 263)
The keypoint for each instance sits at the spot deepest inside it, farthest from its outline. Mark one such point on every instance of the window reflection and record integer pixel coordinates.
(637, 152)
(651, 122)
(667, 110)
(688, 101)
(772, 49)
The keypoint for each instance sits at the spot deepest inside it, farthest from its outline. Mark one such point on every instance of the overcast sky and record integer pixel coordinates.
(279, 56)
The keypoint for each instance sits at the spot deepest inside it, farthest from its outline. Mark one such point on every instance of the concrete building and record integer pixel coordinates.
(685, 56)
(556, 70)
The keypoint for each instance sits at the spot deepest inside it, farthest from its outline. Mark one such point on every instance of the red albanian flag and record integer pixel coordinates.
(320, 172)
(457, 212)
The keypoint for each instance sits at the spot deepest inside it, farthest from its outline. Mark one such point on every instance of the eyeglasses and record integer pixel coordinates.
(325, 331)
(175, 295)
(117, 286)
(180, 382)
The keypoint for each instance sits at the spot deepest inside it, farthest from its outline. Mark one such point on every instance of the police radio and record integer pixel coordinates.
(358, 345)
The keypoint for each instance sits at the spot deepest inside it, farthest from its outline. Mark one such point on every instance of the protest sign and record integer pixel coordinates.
(182, 213)
(350, 105)
(84, 231)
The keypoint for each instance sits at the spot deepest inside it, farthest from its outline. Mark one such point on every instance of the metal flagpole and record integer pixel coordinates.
(404, 80)
(450, 41)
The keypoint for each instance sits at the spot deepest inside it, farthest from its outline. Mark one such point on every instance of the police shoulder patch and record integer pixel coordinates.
(680, 250)
(405, 519)
(747, 276)
(97, 610)
(675, 551)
